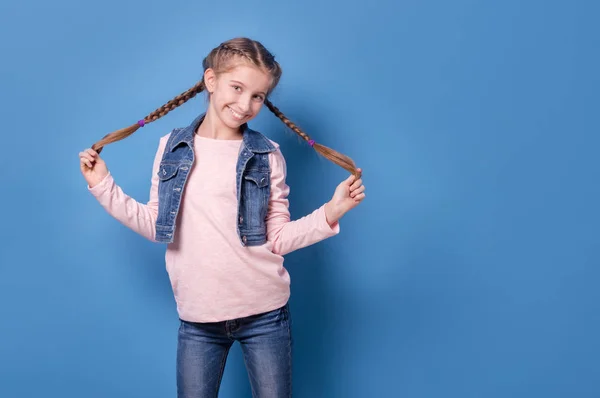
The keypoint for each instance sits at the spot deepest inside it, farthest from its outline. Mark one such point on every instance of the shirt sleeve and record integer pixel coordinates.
(286, 235)
(139, 217)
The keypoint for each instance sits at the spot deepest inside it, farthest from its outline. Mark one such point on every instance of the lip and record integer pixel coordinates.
(238, 112)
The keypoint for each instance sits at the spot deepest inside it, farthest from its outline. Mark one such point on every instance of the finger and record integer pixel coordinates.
(350, 179)
(356, 184)
(360, 197)
(357, 191)
(91, 152)
(87, 156)
(86, 162)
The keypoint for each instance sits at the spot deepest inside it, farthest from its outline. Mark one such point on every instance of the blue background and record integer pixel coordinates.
(470, 270)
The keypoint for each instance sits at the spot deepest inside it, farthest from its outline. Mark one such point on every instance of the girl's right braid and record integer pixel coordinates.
(157, 114)
(336, 157)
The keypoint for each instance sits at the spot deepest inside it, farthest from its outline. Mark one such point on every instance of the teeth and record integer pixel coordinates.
(236, 115)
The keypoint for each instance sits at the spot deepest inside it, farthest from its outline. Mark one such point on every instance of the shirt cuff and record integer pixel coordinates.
(329, 230)
(102, 186)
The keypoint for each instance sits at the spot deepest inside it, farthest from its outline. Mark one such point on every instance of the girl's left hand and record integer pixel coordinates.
(347, 196)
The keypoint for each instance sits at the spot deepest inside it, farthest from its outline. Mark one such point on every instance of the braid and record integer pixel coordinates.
(336, 157)
(220, 59)
(157, 114)
(235, 51)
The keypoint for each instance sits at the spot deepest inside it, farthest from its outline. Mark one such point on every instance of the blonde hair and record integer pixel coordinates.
(221, 59)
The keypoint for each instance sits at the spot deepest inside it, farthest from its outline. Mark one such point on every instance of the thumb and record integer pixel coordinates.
(348, 181)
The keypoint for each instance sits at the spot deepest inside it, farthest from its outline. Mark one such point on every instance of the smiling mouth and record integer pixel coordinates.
(236, 115)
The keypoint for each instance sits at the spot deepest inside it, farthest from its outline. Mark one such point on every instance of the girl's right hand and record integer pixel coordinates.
(92, 167)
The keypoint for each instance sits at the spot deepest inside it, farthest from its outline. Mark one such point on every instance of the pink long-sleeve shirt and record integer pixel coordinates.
(214, 277)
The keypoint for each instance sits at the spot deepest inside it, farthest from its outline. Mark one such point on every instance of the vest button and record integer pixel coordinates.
(241, 219)
(244, 239)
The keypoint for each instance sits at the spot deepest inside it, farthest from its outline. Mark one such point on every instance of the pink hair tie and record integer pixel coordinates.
(311, 142)
(141, 122)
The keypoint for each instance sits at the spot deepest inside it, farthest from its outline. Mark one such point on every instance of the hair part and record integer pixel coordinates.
(222, 59)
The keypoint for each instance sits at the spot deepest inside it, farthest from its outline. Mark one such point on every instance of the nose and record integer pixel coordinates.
(245, 104)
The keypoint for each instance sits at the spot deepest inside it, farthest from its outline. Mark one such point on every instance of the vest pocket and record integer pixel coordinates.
(260, 178)
(255, 199)
(167, 171)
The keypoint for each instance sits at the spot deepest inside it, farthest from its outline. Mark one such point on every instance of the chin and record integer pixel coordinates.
(230, 123)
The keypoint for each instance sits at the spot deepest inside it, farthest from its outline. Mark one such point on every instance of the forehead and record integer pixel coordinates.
(250, 76)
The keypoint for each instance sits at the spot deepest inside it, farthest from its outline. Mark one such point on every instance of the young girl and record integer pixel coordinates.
(219, 199)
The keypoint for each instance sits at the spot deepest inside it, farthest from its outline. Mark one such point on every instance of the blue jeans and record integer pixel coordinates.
(266, 342)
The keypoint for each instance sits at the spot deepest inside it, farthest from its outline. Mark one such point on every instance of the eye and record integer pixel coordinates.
(259, 97)
(236, 88)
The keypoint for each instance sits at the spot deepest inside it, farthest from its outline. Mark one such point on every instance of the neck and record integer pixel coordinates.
(213, 127)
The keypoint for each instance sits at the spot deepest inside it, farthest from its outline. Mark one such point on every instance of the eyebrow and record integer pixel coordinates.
(243, 85)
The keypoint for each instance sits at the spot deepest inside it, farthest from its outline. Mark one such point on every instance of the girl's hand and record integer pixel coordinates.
(92, 167)
(346, 197)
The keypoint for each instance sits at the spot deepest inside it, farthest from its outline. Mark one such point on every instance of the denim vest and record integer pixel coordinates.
(253, 177)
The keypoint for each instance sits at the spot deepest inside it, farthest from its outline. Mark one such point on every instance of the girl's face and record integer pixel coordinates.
(238, 95)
